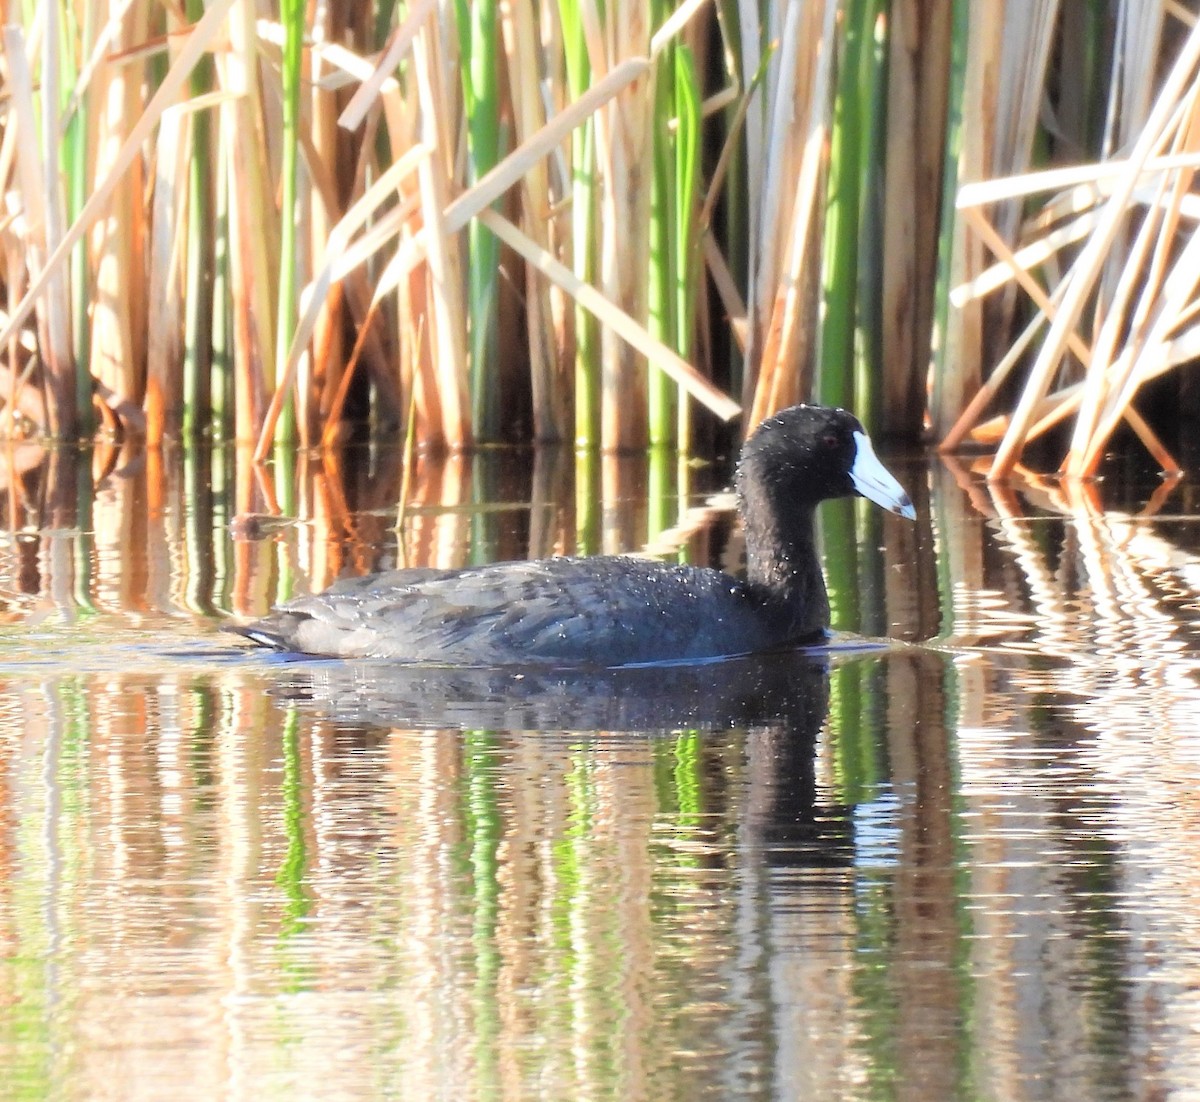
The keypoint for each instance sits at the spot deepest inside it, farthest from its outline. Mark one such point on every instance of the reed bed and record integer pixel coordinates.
(497, 221)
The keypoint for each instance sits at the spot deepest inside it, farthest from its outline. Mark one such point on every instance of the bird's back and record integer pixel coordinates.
(606, 611)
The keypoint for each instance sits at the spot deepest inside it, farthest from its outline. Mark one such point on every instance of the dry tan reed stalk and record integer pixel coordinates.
(1046, 415)
(333, 418)
(375, 84)
(117, 248)
(315, 395)
(253, 223)
(546, 317)
(452, 424)
(331, 268)
(1028, 38)
(103, 49)
(674, 25)
(514, 167)
(992, 239)
(57, 336)
(1008, 53)
(1087, 269)
(196, 43)
(1115, 322)
(1064, 402)
(8, 151)
(345, 253)
(1080, 186)
(969, 420)
(726, 287)
(1139, 28)
(41, 228)
(623, 152)
(163, 402)
(1037, 253)
(1164, 292)
(341, 67)
(616, 320)
(960, 372)
(786, 98)
(781, 378)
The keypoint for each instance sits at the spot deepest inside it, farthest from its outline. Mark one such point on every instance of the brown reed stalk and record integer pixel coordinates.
(919, 40)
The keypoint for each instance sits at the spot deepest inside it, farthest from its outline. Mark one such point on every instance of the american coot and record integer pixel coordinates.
(617, 610)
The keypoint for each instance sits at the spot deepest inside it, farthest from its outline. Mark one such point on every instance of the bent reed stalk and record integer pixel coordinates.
(567, 220)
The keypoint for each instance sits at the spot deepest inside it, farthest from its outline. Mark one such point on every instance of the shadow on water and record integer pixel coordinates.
(955, 867)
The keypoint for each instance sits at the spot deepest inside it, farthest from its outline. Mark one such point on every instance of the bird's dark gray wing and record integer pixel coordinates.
(601, 611)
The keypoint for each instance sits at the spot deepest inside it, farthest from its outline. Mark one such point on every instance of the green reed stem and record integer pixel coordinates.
(868, 345)
(584, 246)
(587, 329)
(834, 381)
(587, 502)
(688, 270)
(660, 284)
(285, 457)
(672, 277)
(660, 489)
(478, 32)
(291, 15)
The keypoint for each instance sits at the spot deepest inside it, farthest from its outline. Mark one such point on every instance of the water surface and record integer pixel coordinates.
(959, 865)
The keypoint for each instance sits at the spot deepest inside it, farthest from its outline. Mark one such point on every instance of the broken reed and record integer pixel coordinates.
(494, 215)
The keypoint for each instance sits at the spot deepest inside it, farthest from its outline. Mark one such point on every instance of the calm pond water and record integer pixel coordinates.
(962, 865)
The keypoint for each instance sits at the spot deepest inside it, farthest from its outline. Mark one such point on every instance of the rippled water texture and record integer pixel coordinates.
(963, 865)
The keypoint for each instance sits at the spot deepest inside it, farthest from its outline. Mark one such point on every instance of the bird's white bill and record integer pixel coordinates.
(875, 482)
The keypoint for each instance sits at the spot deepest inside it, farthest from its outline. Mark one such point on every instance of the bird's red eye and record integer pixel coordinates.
(829, 440)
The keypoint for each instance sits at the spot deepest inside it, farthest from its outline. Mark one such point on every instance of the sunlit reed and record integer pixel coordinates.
(582, 222)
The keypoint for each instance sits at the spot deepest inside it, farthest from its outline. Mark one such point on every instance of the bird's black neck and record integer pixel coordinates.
(783, 568)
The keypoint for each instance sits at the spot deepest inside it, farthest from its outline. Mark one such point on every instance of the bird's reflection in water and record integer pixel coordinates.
(735, 835)
(780, 699)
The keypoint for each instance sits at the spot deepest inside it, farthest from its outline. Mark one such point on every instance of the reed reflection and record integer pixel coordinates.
(593, 911)
(846, 877)
(1077, 747)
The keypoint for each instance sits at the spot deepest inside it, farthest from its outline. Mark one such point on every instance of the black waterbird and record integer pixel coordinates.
(617, 610)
